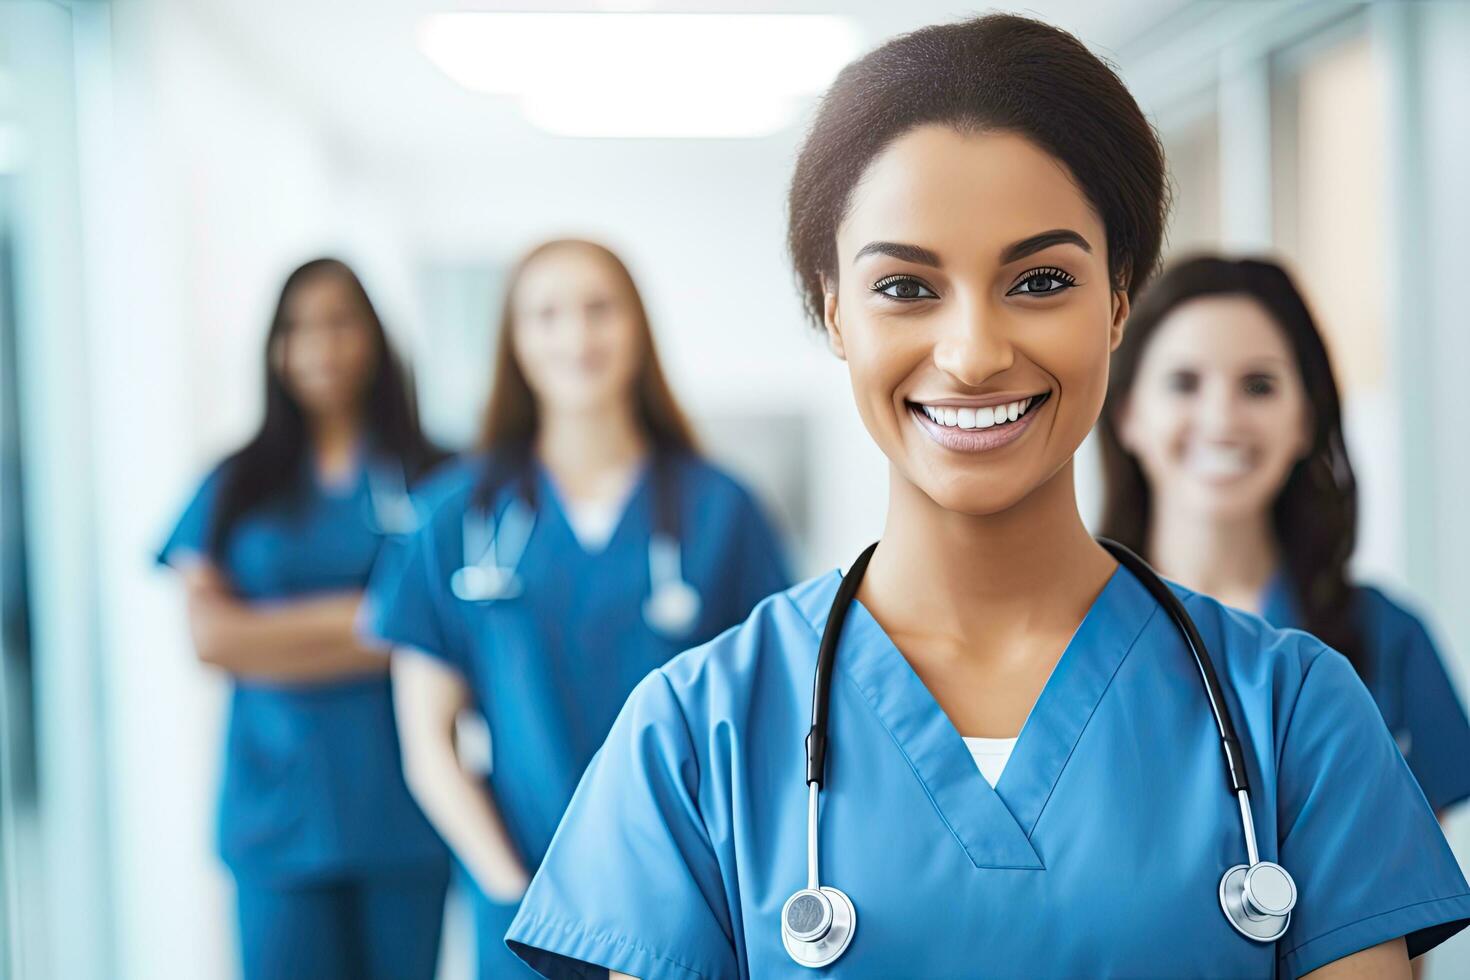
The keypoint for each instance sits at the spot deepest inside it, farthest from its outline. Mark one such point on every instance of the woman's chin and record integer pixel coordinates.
(1221, 504)
(975, 496)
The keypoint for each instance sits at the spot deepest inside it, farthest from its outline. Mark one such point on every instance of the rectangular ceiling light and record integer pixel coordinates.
(645, 74)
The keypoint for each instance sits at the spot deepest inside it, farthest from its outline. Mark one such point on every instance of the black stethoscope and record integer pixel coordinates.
(818, 922)
(494, 545)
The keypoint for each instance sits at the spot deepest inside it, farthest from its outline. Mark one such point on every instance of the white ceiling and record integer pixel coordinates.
(354, 69)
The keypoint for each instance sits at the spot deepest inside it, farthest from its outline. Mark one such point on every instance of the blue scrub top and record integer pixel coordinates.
(1409, 682)
(1099, 852)
(550, 669)
(313, 785)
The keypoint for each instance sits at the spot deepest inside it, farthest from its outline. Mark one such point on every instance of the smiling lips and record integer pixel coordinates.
(1218, 463)
(974, 429)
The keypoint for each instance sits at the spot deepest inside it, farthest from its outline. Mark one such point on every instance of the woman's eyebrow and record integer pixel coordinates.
(1034, 244)
(917, 254)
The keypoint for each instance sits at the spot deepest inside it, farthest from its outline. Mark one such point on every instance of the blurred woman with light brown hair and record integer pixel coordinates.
(583, 545)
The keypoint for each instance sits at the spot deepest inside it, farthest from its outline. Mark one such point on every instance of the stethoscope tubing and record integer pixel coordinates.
(673, 604)
(1261, 915)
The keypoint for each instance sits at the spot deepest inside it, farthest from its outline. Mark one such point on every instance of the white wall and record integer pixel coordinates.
(204, 187)
(64, 920)
(1439, 360)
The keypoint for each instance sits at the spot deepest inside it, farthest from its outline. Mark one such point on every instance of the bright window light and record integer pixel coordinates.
(645, 74)
(12, 149)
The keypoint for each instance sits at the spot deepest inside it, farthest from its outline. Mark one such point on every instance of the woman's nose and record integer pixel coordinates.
(974, 346)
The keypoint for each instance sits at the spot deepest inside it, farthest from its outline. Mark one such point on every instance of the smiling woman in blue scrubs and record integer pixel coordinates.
(971, 215)
(338, 873)
(1227, 466)
(585, 545)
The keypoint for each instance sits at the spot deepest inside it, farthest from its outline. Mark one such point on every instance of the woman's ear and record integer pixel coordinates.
(1120, 319)
(831, 319)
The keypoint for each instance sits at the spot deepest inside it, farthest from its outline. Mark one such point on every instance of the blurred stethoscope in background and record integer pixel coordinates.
(818, 923)
(392, 510)
(494, 545)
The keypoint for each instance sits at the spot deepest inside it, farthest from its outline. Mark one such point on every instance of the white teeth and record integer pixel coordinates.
(1219, 461)
(976, 418)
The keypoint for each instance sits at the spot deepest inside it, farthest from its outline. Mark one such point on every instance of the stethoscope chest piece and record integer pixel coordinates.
(484, 583)
(672, 607)
(817, 925)
(391, 509)
(1258, 900)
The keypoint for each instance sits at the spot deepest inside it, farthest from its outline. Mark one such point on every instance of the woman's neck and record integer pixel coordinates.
(334, 442)
(590, 452)
(1231, 559)
(984, 584)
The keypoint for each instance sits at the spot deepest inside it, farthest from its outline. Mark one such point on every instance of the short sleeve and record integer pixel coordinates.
(407, 606)
(1438, 748)
(190, 536)
(763, 569)
(631, 881)
(1368, 856)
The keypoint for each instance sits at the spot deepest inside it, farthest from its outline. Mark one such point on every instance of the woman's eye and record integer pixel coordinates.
(904, 287)
(1182, 382)
(1259, 385)
(1042, 282)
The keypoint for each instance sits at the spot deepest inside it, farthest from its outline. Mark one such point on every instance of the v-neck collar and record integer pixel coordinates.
(1278, 605)
(994, 826)
(551, 502)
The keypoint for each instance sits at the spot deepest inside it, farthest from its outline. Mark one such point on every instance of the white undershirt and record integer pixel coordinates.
(594, 521)
(991, 755)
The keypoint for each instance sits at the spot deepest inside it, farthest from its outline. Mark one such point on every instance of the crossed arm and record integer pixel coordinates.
(302, 641)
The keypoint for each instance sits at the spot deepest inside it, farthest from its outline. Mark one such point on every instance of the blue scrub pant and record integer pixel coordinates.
(383, 926)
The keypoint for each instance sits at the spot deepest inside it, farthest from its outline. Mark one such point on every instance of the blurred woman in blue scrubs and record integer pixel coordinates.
(584, 545)
(1226, 466)
(338, 873)
(1022, 775)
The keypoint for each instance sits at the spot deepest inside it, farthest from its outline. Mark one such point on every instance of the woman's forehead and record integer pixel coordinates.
(566, 270)
(965, 196)
(1224, 330)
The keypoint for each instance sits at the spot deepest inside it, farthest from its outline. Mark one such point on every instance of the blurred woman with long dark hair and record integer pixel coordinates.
(338, 874)
(1226, 465)
(582, 546)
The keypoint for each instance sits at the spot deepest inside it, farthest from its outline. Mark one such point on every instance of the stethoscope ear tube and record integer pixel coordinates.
(392, 510)
(816, 739)
(817, 922)
(1229, 744)
(494, 545)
